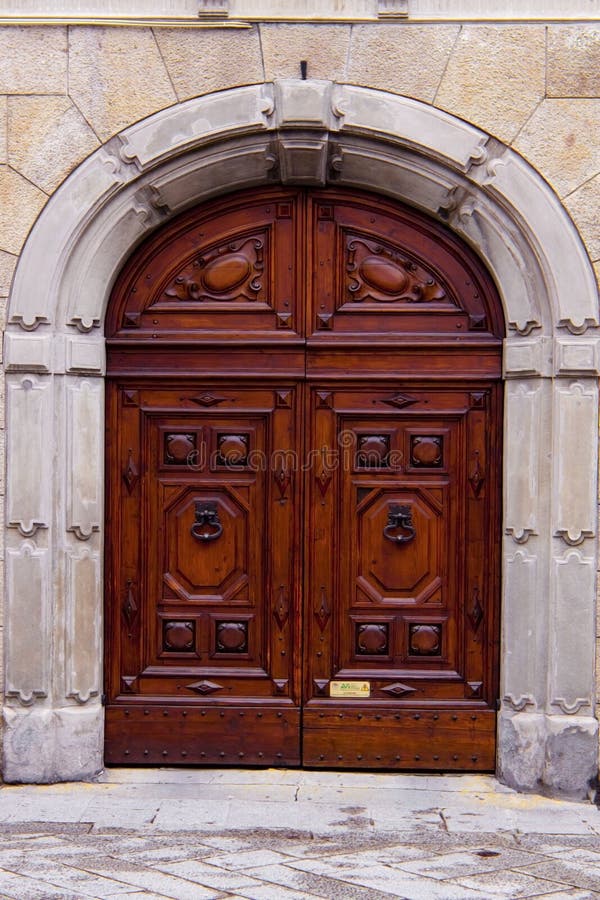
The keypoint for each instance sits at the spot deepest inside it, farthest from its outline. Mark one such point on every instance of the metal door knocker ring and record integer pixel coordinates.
(399, 517)
(207, 517)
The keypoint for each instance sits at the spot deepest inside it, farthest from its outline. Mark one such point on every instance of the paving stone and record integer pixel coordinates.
(142, 877)
(247, 859)
(65, 877)
(510, 885)
(572, 874)
(575, 894)
(581, 855)
(455, 865)
(142, 895)
(270, 892)
(390, 57)
(199, 62)
(573, 61)
(167, 854)
(208, 875)
(329, 888)
(33, 60)
(20, 887)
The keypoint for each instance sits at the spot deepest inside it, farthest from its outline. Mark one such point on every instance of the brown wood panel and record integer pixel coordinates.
(303, 457)
(367, 738)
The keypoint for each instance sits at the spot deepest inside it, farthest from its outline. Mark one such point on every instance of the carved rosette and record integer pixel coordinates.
(227, 273)
(376, 272)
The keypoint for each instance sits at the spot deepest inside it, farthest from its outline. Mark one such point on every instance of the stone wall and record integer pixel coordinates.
(66, 90)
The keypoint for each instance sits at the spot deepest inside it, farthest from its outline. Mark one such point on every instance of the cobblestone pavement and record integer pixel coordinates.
(282, 834)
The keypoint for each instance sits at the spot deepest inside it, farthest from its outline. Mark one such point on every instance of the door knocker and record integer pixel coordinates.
(207, 517)
(399, 517)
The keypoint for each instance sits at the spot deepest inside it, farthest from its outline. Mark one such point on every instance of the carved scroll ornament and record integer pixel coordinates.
(230, 272)
(380, 273)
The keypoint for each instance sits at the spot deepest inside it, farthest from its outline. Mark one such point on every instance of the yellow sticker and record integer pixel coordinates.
(349, 688)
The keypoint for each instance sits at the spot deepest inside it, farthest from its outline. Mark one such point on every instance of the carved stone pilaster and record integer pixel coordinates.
(29, 430)
(82, 634)
(84, 411)
(28, 608)
(575, 460)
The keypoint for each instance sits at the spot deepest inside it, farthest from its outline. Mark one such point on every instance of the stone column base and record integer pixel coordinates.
(42, 746)
(554, 755)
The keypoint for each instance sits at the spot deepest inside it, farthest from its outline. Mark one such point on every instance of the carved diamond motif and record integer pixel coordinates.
(477, 478)
(207, 400)
(204, 687)
(322, 612)
(282, 480)
(131, 474)
(399, 401)
(397, 689)
(476, 612)
(281, 610)
(130, 608)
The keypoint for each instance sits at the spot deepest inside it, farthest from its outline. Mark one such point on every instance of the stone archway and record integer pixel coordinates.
(311, 133)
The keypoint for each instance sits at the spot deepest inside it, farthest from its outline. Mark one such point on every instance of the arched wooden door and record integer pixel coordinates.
(303, 456)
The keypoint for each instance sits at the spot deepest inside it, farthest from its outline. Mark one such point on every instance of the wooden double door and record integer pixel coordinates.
(303, 462)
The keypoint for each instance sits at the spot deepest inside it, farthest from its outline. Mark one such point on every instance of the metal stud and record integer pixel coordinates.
(417, 758)
(184, 713)
(146, 712)
(165, 753)
(146, 752)
(455, 718)
(127, 753)
(416, 716)
(126, 712)
(221, 754)
(184, 753)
